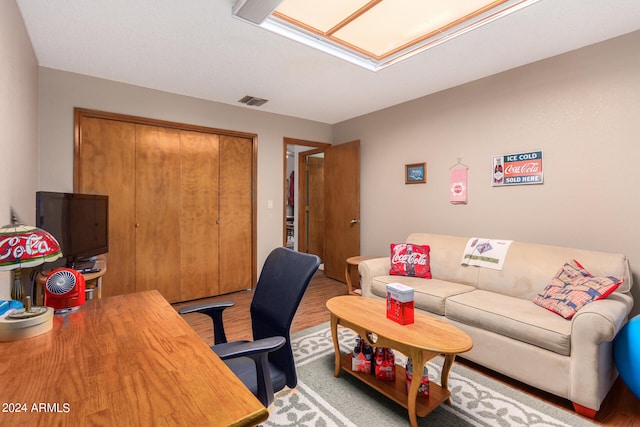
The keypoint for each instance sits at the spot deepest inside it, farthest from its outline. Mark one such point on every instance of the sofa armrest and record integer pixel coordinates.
(593, 329)
(372, 268)
(601, 320)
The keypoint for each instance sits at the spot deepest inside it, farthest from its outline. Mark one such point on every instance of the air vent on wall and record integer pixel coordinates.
(253, 101)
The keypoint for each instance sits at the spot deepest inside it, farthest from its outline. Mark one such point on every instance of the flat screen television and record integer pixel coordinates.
(80, 223)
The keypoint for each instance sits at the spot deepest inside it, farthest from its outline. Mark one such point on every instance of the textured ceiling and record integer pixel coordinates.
(196, 48)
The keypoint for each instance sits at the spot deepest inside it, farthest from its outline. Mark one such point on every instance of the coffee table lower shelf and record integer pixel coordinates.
(397, 390)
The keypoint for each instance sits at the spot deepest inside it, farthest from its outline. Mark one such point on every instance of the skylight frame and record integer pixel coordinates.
(324, 41)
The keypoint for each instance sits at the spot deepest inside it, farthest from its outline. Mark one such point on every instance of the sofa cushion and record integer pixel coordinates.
(429, 295)
(445, 256)
(572, 288)
(512, 317)
(410, 260)
(529, 267)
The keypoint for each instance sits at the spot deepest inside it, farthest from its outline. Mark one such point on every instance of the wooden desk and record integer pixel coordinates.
(127, 360)
(422, 340)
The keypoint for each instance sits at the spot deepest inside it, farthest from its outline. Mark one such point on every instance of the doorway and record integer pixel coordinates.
(302, 206)
(322, 201)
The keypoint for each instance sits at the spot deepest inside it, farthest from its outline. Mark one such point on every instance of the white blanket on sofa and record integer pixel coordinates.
(488, 253)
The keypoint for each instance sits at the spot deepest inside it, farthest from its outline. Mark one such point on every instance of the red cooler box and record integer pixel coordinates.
(400, 303)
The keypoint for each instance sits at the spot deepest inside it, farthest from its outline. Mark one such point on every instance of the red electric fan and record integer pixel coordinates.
(64, 290)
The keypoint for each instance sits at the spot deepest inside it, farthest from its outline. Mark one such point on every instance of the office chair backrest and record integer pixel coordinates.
(282, 283)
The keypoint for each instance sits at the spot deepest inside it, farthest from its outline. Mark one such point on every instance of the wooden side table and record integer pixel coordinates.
(351, 262)
(101, 263)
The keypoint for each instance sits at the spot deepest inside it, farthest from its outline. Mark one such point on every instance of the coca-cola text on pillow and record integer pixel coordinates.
(410, 260)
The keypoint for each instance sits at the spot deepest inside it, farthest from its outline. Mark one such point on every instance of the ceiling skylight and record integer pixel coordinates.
(377, 33)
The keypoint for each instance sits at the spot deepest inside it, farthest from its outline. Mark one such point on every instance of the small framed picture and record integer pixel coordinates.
(415, 173)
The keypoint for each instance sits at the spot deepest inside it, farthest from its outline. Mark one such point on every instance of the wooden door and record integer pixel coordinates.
(315, 218)
(342, 207)
(158, 210)
(198, 215)
(105, 164)
(236, 231)
(169, 194)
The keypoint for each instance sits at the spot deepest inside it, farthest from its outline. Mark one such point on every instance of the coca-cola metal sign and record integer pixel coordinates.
(517, 169)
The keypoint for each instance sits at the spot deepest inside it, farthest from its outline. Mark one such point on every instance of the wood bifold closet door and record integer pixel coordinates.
(181, 208)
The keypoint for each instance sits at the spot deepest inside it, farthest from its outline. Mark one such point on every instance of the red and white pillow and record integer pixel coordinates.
(410, 260)
(573, 287)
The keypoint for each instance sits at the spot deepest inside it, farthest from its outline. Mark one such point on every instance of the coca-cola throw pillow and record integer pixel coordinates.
(410, 260)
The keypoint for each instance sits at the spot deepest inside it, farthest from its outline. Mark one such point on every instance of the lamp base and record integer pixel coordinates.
(27, 313)
(12, 329)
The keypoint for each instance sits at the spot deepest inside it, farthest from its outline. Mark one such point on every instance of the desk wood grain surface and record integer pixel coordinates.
(124, 360)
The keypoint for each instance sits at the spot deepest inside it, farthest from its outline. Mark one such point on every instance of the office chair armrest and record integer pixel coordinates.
(251, 348)
(214, 311)
(258, 351)
(206, 307)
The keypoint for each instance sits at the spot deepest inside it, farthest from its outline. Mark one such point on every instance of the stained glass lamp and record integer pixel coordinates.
(24, 246)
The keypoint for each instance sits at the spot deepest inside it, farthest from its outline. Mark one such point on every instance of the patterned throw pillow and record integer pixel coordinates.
(410, 260)
(573, 287)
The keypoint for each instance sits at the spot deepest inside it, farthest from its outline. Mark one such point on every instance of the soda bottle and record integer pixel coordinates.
(368, 355)
(498, 174)
(409, 264)
(391, 357)
(358, 348)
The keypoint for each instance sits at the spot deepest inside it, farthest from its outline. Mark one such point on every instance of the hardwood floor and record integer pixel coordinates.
(620, 408)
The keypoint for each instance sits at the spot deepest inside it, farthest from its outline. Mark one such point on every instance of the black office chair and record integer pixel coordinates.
(266, 364)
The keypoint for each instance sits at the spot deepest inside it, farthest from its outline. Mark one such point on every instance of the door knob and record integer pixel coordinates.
(354, 221)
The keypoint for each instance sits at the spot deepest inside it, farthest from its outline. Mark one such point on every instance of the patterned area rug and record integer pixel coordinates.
(322, 400)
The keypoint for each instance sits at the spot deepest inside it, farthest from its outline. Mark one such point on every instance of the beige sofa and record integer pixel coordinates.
(512, 335)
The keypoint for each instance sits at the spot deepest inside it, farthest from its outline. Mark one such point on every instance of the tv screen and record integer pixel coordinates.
(80, 222)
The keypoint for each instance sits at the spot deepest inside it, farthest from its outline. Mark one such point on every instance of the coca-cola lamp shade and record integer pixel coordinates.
(23, 246)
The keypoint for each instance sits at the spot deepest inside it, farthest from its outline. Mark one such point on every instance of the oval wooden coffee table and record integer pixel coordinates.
(422, 340)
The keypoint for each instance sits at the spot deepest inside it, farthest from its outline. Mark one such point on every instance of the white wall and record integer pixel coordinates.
(18, 121)
(61, 91)
(581, 108)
